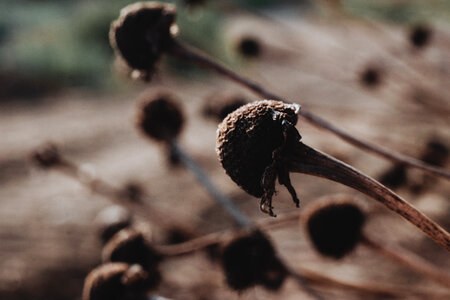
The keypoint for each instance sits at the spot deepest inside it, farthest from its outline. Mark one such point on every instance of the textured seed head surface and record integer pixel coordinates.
(142, 33)
(335, 227)
(247, 137)
(112, 281)
(160, 117)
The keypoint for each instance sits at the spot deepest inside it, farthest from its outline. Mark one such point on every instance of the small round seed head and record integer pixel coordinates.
(420, 36)
(249, 47)
(111, 220)
(160, 117)
(131, 246)
(116, 281)
(252, 260)
(334, 227)
(47, 156)
(142, 33)
(436, 153)
(394, 177)
(371, 77)
(247, 137)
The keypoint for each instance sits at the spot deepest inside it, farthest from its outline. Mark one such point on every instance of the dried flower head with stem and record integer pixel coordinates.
(335, 227)
(116, 281)
(143, 43)
(259, 143)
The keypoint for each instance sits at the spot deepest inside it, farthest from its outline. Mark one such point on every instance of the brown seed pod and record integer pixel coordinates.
(142, 33)
(131, 246)
(420, 36)
(252, 260)
(244, 148)
(160, 117)
(334, 227)
(47, 156)
(116, 281)
(249, 47)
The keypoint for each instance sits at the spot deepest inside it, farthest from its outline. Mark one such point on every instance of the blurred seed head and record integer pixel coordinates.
(131, 246)
(249, 47)
(334, 226)
(160, 117)
(436, 153)
(116, 281)
(219, 107)
(133, 192)
(111, 220)
(251, 260)
(394, 177)
(243, 144)
(420, 36)
(47, 156)
(371, 77)
(142, 33)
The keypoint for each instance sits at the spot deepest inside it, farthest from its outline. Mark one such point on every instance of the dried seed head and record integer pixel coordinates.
(252, 260)
(131, 246)
(371, 77)
(394, 177)
(247, 138)
(436, 153)
(142, 33)
(249, 47)
(220, 108)
(334, 227)
(420, 36)
(47, 156)
(111, 220)
(160, 117)
(116, 281)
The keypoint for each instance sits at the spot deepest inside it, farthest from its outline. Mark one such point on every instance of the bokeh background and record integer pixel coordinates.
(350, 61)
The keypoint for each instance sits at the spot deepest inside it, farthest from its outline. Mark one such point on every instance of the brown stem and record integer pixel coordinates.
(184, 52)
(410, 260)
(304, 159)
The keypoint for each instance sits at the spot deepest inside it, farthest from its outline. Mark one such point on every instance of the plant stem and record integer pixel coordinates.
(410, 260)
(184, 52)
(304, 159)
(201, 176)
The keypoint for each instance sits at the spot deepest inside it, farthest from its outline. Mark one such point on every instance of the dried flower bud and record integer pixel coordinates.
(142, 33)
(160, 117)
(111, 220)
(47, 156)
(420, 36)
(252, 260)
(130, 246)
(249, 47)
(243, 144)
(116, 281)
(334, 227)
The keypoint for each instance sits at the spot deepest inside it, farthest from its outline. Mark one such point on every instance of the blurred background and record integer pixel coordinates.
(379, 69)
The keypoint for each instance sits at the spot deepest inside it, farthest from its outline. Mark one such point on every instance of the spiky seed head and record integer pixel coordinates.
(160, 116)
(142, 33)
(116, 281)
(420, 36)
(252, 260)
(111, 220)
(131, 246)
(247, 137)
(47, 156)
(334, 227)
